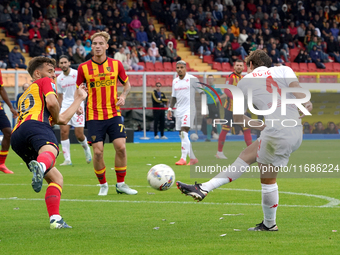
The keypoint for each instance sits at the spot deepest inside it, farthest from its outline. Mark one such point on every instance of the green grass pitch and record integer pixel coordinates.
(122, 224)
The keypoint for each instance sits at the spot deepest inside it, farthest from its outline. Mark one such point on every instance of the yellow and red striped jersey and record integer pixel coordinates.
(233, 79)
(32, 103)
(1, 84)
(101, 80)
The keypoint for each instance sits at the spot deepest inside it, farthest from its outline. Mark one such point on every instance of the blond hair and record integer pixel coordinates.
(103, 34)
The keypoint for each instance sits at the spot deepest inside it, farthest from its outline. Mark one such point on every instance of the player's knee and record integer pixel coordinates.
(7, 133)
(121, 150)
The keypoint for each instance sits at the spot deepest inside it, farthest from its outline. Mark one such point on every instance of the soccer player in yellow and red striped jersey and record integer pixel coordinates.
(5, 127)
(103, 116)
(233, 79)
(33, 138)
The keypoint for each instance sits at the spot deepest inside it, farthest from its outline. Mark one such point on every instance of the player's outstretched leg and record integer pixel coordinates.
(192, 190)
(5, 147)
(38, 171)
(120, 167)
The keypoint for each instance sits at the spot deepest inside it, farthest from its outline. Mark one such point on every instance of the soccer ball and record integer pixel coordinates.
(161, 177)
(193, 137)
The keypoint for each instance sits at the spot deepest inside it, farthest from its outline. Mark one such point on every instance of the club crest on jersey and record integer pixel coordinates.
(108, 69)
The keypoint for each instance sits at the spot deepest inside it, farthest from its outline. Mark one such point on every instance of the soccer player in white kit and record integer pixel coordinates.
(66, 83)
(183, 94)
(276, 142)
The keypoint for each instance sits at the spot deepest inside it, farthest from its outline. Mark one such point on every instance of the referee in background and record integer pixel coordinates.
(159, 100)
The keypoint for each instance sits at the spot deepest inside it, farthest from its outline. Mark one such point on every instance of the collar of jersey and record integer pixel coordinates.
(99, 63)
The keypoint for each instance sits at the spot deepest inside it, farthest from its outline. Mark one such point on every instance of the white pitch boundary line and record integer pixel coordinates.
(333, 202)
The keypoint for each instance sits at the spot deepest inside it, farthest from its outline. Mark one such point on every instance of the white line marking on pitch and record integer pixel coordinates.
(332, 202)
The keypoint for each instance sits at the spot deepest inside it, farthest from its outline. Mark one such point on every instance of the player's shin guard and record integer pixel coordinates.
(65, 145)
(101, 175)
(270, 201)
(52, 198)
(221, 138)
(120, 173)
(231, 174)
(3, 156)
(247, 136)
(47, 158)
(185, 142)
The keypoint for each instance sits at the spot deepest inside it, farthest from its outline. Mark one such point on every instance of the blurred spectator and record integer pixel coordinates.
(71, 17)
(134, 62)
(306, 128)
(121, 56)
(70, 29)
(52, 11)
(203, 48)
(70, 55)
(69, 41)
(200, 15)
(62, 35)
(16, 59)
(53, 34)
(124, 13)
(61, 8)
(135, 24)
(89, 20)
(218, 36)
(162, 53)
(208, 21)
(335, 31)
(287, 40)
(175, 6)
(224, 28)
(180, 30)
(26, 17)
(79, 46)
(15, 16)
(219, 54)
(62, 24)
(34, 33)
(242, 37)
(259, 14)
(217, 14)
(152, 35)
(333, 49)
(192, 37)
(318, 128)
(154, 54)
(331, 129)
(301, 57)
(183, 13)
(22, 36)
(308, 38)
(171, 52)
(189, 22)
(87, 47)
(98, 21)
(4, 52)
(274, 57)
(301, 32)
(281, 49)
(140, 5)
(316, 57)
(78, 57)
(159, 100)
(157, 9)
(143, 19)
(134, 11)
(235, 30)
(326, 32)
(143, 55)
(51, 50)
(171, 39)
(239, 50)
(24, 88)
(142, 37)
(60, 48)
(43, 31)
(39, 49)
(126, 48)
(312, 43)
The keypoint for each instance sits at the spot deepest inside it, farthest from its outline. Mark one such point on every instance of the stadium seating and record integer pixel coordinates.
(149, 66)
(226, 67)
(217, 66)
(303, 67)
(159, 67)
(168, 67)
(311, 67)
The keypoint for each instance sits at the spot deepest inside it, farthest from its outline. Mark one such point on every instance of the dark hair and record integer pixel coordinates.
(38, 62)
(64, 56)
(259, 58)
(239, 60)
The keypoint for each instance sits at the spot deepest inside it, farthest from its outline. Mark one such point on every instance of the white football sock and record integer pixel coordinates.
(231, 174)
(185, 144)
(55, 217)
(65, 145)
(270, 201)
(84, 144)
(191, 154)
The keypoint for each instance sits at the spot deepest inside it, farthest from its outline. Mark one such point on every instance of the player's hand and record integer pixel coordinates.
(80, 93)
(80, 111)
(309, 107)
(14, 112)
(121, 101)
(169, 115)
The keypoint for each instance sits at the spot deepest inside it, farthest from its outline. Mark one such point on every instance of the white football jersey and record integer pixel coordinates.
(184, 91)
(67, 87)
(262, 82)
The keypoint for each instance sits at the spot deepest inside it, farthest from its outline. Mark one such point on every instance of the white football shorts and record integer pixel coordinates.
(76, 120)
(185, 121)
(275, 146)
